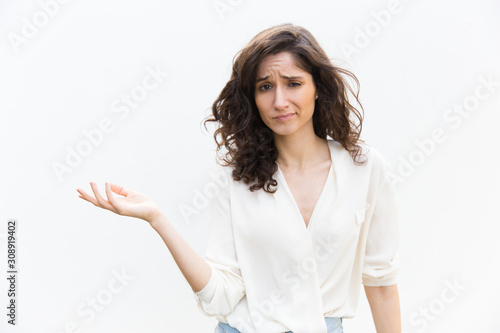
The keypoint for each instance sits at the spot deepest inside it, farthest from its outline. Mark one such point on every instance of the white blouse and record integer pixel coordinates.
(271, 273)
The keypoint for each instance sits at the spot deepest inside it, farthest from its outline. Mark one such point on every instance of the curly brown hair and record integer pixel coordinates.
(249, 142)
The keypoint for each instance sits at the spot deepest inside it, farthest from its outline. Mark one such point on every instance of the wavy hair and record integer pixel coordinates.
(249, 142)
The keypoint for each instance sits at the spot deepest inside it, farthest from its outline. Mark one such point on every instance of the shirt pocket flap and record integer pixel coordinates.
(360, 215)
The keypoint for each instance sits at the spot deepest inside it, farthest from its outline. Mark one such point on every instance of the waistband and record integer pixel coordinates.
(331, 323)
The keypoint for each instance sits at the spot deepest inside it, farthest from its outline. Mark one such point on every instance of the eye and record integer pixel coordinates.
(295, 84)
(265, 87)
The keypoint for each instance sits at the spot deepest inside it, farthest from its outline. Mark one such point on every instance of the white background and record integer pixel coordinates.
(65, 76)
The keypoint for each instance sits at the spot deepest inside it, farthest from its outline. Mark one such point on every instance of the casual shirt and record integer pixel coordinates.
(272, 273)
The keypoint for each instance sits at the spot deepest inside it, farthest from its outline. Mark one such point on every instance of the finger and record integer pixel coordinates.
(111, 198)
(87, 197)
(118, 189)
(102, 202)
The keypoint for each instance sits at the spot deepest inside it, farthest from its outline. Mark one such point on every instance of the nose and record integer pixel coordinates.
(280, 98)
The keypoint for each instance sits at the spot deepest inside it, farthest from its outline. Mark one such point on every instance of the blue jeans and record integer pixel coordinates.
(333, 324)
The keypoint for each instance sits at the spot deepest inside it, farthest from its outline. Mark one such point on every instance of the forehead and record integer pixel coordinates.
(280, 61)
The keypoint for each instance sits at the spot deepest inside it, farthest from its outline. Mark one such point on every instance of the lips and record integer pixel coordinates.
(285, 116)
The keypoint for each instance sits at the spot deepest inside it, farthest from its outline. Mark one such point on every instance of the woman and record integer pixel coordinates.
(300, 223)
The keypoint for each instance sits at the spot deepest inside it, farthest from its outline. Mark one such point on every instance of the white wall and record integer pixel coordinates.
(67, 76)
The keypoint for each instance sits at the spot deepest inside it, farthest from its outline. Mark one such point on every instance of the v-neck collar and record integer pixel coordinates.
(323, 190)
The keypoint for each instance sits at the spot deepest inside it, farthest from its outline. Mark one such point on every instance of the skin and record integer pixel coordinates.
(286, 88)
(129, 203)
(385, 308)
(304, 159)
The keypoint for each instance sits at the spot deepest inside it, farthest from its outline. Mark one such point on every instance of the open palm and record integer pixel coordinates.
(128, 203)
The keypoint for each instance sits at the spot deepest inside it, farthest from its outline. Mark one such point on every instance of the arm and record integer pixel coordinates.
(216, 280)
(384, 304)
(135, 204)
(381, 264)
(195, 269)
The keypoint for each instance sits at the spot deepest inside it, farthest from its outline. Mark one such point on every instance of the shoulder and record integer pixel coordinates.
(379, 166)
(374, 168)
(371, 154)
(375, 158)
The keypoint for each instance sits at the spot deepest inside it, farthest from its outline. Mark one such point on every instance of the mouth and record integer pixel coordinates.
(285, 116)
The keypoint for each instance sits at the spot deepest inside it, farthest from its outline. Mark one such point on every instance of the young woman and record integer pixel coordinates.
(300, 223)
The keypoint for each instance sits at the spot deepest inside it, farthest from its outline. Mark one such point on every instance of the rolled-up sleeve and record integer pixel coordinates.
(225, 287)
(381, 263)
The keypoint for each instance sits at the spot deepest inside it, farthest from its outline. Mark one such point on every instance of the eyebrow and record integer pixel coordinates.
(285, 77)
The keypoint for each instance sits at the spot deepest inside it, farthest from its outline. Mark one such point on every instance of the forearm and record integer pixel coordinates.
(384, 304)
(194, 268)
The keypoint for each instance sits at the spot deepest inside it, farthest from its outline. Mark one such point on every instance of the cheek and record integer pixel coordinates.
(260, 101)
(307, 99)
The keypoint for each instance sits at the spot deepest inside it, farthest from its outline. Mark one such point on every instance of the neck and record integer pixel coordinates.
(301, 152)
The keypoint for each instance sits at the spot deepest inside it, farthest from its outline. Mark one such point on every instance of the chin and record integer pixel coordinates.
(284, 131)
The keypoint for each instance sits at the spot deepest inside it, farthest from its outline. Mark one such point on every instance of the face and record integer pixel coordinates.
(285, 95)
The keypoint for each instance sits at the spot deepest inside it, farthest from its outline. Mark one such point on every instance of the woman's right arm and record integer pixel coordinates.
(194, 268)
(216, 281)
(134, 204)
